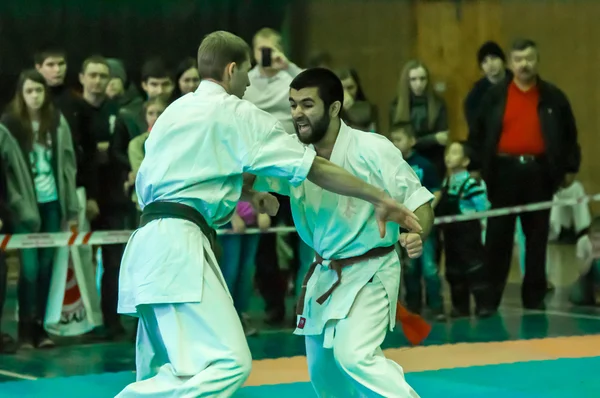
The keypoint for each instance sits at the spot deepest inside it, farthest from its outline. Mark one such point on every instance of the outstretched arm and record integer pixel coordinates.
(337, 180)
(426, 219)
(279, 155)
(413, 242)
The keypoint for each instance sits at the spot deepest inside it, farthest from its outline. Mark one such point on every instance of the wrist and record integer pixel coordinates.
(377, 196)
(235, 216)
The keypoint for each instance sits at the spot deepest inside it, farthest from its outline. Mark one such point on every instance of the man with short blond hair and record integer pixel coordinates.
(215, 54)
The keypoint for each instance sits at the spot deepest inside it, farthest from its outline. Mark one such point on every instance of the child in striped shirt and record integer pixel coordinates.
(463, 245)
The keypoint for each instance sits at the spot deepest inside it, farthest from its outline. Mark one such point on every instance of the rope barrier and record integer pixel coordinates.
(61, 239)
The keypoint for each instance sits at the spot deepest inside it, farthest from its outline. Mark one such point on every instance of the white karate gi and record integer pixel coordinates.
(190, 341)
(343, 336)
(576, 216)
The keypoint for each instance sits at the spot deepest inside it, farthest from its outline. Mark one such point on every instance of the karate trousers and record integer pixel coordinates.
(191, 350)
(355, 366)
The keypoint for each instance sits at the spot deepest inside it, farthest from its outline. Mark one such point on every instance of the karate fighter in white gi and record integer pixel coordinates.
(190, 341)
(344, 325)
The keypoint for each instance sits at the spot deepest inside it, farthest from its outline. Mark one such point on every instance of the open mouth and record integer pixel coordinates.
(303, 127)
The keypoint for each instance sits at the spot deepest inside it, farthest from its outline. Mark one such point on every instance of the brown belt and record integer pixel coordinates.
(337, 266)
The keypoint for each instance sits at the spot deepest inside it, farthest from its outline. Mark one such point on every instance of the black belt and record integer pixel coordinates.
(522, 158)
(159, 210)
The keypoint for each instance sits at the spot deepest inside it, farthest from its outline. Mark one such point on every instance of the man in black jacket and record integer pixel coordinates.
(7, 343)
(101, 119)
(526, 137)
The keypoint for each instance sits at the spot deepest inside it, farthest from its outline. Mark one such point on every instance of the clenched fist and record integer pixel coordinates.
(412, 243)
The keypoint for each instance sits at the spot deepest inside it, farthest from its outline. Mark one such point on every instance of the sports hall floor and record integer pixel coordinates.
(516, 354)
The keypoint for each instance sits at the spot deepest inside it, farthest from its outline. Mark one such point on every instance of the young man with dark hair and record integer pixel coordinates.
(157, 81)
(492, 62)
(52, 64)
(190, 341)
(525, 137)
(350, 292)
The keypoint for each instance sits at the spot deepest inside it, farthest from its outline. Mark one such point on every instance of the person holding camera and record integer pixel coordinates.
(270, 80)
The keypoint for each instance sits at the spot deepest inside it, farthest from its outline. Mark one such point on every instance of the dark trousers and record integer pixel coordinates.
(423, 269)
(465, 269)
(3, 283)
(36, 268)
(111, 218)
(517, 181)
(464, 280)
(271, 282)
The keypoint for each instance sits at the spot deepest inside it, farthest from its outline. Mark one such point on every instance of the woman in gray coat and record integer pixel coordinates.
(36, 144)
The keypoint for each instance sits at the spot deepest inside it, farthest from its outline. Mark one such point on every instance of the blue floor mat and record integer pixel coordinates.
(537, 379)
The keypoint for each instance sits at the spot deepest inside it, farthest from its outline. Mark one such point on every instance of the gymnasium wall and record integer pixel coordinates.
(378, 36)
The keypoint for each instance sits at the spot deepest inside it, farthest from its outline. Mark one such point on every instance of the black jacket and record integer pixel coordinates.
(75, 111)
(473, 99)
(558, 128)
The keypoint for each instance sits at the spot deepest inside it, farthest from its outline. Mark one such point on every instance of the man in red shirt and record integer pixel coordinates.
(526, 136)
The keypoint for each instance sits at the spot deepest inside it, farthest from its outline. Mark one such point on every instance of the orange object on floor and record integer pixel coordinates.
(415, 328)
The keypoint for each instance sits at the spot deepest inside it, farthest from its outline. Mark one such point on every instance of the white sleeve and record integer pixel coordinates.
(281, 155)
(402, 183)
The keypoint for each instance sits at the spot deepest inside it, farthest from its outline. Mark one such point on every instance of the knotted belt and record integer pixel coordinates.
(162, 210)
(337, 266)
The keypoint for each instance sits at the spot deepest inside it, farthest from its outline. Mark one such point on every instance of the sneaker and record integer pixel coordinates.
(42, 340)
